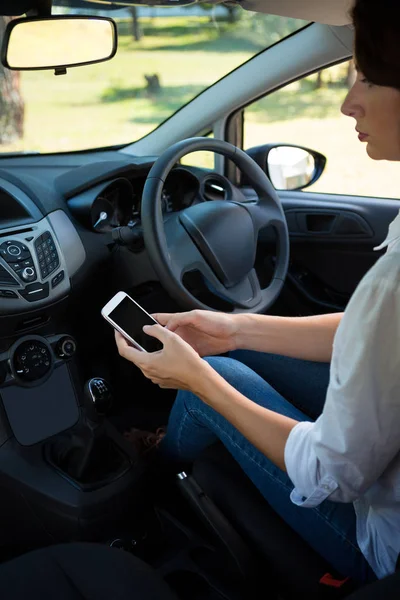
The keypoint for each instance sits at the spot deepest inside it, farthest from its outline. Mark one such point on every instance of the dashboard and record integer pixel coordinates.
(121, 199)
(58, 214)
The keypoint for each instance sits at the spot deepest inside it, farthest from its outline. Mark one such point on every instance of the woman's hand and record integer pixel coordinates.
(176, 366)
(207, 332)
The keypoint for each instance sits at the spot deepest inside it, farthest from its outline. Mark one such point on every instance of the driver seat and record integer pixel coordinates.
(294, 566)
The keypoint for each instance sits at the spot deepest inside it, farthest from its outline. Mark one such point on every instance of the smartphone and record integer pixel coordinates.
(128, 317)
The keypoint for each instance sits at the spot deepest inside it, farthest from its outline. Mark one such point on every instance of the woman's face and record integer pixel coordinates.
(376, 110)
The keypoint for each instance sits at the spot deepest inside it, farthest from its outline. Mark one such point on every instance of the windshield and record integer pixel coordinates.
(165, 58)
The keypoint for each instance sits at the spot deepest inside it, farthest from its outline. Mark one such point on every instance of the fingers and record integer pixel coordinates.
(162, 318)
(174, 320)
(126, 351)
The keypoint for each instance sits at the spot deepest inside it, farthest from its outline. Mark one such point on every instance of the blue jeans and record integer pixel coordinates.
(296, 389)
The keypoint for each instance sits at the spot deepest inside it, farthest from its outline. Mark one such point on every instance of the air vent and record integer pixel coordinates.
(6, 278)
(215, 189)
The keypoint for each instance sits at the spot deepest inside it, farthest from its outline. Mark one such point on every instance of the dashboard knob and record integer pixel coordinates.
(28, 274)
(66, 347)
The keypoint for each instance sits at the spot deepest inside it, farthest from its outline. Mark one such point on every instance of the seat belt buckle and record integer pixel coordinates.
(331, 581)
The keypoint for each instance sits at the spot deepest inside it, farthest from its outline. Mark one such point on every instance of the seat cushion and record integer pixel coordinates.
(80, 572)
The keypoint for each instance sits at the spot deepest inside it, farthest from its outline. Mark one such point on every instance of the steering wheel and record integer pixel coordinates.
(217, 238)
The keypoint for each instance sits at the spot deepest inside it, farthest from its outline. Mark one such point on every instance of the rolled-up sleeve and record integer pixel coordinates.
(303, 468)
(349, 446)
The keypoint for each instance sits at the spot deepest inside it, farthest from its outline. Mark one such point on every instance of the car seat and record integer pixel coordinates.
(286, 559)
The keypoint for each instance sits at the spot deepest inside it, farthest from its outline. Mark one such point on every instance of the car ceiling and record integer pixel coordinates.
(331, 12)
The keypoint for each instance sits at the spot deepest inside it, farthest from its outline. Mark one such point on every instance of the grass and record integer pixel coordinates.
(108, 103)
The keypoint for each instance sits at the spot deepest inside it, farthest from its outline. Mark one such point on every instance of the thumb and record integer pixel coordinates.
(180, 320)
(157, 331)
(162, 318)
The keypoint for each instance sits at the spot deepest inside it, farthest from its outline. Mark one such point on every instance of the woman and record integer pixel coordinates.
(321, 439)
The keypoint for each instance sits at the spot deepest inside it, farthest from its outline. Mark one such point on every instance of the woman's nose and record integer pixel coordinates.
(351, 106)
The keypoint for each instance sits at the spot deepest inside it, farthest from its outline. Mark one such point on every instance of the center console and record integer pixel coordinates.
(65, 472)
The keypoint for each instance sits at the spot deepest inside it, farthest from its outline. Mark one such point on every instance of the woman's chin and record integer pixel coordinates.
(380, 154)
(374, 152)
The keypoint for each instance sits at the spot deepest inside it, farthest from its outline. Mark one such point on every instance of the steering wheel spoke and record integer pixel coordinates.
(183, 253)
(245, 295)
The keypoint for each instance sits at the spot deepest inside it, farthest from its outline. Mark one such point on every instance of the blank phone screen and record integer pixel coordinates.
(131, 319)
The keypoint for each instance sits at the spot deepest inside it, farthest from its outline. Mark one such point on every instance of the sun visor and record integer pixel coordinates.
(330, 12)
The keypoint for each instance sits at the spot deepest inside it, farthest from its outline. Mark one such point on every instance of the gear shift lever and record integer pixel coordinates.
(98, 398)
(85, 453)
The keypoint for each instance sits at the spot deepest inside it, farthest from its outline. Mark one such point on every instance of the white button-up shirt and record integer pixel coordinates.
(352, 452)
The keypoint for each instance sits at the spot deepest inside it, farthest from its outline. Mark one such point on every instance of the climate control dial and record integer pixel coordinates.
(31, 360)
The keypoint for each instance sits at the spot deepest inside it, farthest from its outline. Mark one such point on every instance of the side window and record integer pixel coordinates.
(307, 113)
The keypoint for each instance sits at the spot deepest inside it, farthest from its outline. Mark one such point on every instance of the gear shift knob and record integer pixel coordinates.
(98, 398)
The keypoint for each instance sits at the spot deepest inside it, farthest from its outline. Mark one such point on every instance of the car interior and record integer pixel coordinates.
(78, 504)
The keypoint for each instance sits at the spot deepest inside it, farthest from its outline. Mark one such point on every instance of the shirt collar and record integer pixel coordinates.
(393, 233)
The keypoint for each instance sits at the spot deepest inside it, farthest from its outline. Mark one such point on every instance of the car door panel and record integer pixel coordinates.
(332, 239)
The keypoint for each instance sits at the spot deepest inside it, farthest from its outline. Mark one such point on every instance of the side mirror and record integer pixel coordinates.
(289, 167)
(58, 42)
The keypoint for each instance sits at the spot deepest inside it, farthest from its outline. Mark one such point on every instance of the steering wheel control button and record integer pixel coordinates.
(57, 279)
(28, 274)
(66, 347)
(8, 294)
(32, 360)
(47, 254)
(35, 291)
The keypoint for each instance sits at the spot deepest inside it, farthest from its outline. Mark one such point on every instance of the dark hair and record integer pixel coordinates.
(377, 40)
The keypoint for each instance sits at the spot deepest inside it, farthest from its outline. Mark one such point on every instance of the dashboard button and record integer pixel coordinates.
(28, 274)
(14, 250)
(16, 266)
(66, 347)
(57, 279)
(35, 291)
(28, 263)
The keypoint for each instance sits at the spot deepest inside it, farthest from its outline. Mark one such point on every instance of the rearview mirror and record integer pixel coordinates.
(289, 167)
(58, 42)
